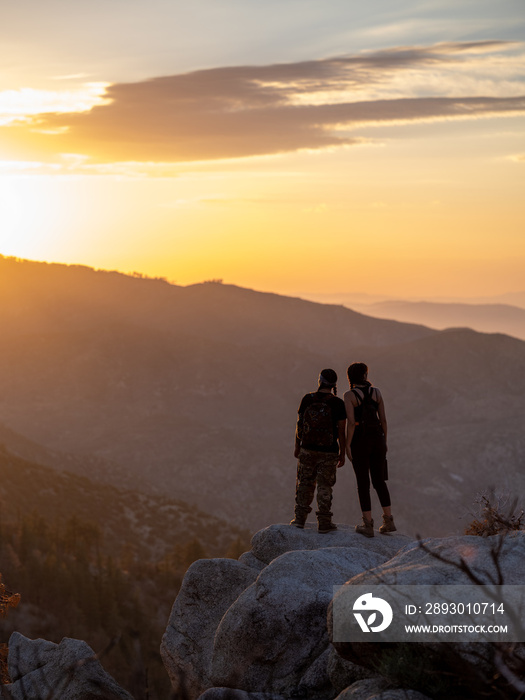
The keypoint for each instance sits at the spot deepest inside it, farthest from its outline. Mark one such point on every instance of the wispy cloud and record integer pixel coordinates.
(246, 111)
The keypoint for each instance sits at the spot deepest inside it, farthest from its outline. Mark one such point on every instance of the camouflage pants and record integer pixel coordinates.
(315, 468)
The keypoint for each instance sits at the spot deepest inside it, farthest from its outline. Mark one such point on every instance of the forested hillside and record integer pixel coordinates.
(95, 563)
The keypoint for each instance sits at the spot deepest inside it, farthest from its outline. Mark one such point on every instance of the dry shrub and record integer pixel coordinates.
(497, 515)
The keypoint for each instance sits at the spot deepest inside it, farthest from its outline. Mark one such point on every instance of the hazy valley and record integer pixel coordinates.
(192, 392)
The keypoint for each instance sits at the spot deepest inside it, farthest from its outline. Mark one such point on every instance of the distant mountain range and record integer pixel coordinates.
(487, 318)
(500, 314)
(191, 393)
(356, 299)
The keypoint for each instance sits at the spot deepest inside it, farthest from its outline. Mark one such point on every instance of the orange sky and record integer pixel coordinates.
(395, 166)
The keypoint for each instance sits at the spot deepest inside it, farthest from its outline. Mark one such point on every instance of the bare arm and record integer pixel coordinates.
(382, 415)
(297, 440)
(349, 399)
(341, 426)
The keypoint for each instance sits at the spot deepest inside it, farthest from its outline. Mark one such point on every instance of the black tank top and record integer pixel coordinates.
(367, 407)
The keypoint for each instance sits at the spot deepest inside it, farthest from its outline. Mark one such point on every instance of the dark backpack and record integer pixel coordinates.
(318, 421)
(366, 411)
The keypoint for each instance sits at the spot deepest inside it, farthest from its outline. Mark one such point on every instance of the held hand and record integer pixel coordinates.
(341, 460)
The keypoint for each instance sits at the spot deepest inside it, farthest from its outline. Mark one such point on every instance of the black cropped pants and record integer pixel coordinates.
(369, 463)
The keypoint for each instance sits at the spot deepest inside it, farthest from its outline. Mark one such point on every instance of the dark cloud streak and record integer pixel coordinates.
(253, 110)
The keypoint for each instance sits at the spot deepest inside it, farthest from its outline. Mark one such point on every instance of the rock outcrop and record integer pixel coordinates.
(471, 666)
(69, 671)
(259, 624)
(256, 628)
(209, 588)
(277, 626)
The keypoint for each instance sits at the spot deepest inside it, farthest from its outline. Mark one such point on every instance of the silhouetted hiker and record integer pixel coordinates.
(320, 449)
(366, 446)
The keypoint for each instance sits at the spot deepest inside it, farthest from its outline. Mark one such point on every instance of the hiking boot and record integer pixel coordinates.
(298, 522)
(326, 527)
(388, 524)
(366, 529)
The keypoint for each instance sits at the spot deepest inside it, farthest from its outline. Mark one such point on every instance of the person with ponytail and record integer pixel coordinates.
(366, 447)
(320, 450)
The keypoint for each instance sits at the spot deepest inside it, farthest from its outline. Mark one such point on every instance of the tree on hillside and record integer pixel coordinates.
(193, 551)
(7, 600)
(236, 548)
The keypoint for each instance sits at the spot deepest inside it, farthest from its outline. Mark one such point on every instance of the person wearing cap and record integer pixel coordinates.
(320, 450)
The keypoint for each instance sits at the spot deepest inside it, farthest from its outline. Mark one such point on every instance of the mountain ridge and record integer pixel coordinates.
(151, 303)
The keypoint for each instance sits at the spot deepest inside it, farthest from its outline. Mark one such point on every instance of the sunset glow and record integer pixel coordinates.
(379, 147)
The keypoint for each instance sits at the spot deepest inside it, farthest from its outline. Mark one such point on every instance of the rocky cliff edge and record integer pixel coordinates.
(257, 626)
